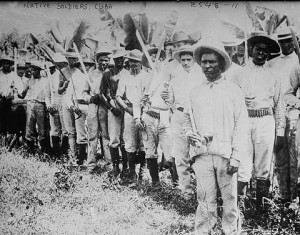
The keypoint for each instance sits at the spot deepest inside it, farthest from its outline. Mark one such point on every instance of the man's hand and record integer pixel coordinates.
(116, 112)
(280, 142)
(76, 110)
(51, 110)
(95, 99)
(129, 110)
(194, 139)
(139, 124)
(232, 166)
(165, 95)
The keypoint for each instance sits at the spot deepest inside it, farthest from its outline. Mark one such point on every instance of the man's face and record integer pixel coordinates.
(287, 46)
(260, 53)
(210, 66)
(71, 61)
(36, 72)
(103, 62)
(187, 62)
(21, 71)
(119, 61)
(134, 64)
(240, 50)
(6, 66)
(230, 50)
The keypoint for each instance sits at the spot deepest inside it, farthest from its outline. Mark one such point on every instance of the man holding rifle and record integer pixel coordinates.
(97, 112)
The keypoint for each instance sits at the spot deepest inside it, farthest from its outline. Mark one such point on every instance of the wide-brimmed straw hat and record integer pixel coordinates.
(85, 61)
(180, 36)
(273, 45)
(152, 50)
(217, 47)
(135, 55)
(184, 49)
(37, 64)
(283, 33)
(230, 41)
(103, 51)
(118, 52)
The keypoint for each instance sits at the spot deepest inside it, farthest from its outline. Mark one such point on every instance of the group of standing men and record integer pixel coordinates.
(222, 119)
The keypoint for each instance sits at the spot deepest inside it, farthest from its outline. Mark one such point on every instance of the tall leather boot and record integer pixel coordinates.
(114, 152)
(241, 191)
(153, 169)
(72, 152)
(55, 144)
(47, 145)
(262, 190)
(131, 162)
(124, 158)
(82, 153)
(142, 160)
(173, 172)
(65, 144)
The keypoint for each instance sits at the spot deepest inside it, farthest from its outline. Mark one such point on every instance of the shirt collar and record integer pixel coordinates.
(252, 65)
(221, 79)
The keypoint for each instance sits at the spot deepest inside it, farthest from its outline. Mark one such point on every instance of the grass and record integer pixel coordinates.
(40, 196)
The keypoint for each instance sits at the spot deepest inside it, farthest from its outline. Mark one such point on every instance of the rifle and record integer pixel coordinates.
(79, 114)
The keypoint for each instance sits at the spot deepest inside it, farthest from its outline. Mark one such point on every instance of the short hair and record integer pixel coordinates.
(186, 53)
(219, 56)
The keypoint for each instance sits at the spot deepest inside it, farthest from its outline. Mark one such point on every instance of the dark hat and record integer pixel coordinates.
(152, 50)
(272, 44)
(7, 58)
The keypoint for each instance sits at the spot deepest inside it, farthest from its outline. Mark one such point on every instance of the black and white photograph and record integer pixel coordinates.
(147, 117)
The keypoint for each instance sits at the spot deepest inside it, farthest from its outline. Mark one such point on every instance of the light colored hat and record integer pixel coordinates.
(283, 33)
(187, 49)
(118, 52)
(7, 58)
(152, 50)
(59, 58)
(102, 52)
(85, 61)
(37, 64)
(180, 36)
(230, 41)
(272, 44)
(218, 47)
(21, 64)
(135, 55)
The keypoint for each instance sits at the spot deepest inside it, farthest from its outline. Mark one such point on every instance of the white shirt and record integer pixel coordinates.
(219, 110)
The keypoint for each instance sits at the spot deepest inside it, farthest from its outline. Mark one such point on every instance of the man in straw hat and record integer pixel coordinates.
(263, 96)
(185, 77)
(127, 94)
(74, 108)
(109, 86)
(58, 131)
(152, 110)
(38, 101)
(216, 126)
(97, 112)
(286, 158)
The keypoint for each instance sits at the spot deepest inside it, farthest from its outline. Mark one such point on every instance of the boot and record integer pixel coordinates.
(82, 153)
(131, 161)
(124, 159)
(65, 145)
(46, 145)
(30, 146)
(153, 169)
(262, 190)
(241, 191)
(114, 152)
(55, 145)
(142, 160)
(173, 172)
(72, 152)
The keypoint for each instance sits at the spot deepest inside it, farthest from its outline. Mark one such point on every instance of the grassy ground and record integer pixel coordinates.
(39, 196)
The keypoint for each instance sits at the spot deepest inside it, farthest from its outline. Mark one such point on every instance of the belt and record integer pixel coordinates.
(259, 112)
(36, 101)
(81, 101)
(180, 109)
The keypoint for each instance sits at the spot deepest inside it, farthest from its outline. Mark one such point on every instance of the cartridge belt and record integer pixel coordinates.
(259, 112)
